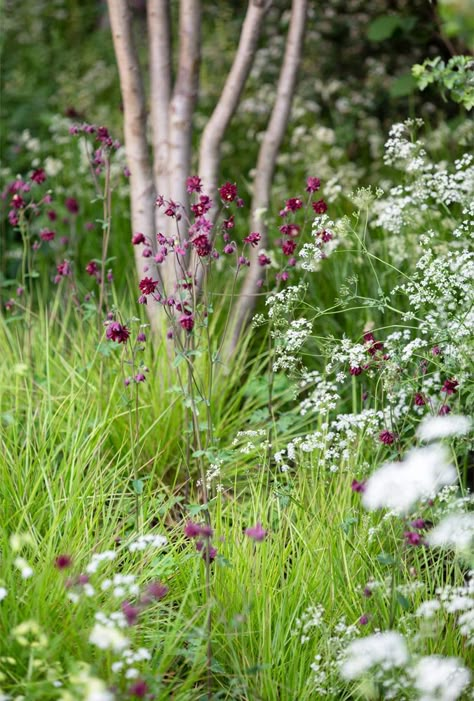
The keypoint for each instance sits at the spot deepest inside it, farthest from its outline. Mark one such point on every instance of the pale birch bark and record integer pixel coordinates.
(159, 43)
(142, 192)
(183, 99)
(211, 139)
(268, 152)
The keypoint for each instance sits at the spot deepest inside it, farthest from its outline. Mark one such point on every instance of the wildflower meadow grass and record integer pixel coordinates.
(291, 520)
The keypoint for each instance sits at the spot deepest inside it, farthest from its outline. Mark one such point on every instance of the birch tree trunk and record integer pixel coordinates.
(213, 134)
(159, 42)
(183, 99)
(142, 192)
(268, 152)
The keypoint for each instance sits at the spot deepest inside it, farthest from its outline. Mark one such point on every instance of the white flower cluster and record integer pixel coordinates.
(400, 485)
(335, 441)
(456, 601)
(148, 540)
(280, 304)
(98, 558)
(213, 474)
(311, 618)
(386, 657)
(289, 342)
(122, 585)
(251, 440)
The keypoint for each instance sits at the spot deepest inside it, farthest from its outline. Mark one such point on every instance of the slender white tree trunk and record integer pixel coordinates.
(213, 134)
(142, 190)
(159, 42)
(184, 98)
(266, 165)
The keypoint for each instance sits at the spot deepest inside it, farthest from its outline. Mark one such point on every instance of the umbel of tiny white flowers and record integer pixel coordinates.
(435, 427)
(455, 531)
(399, 485)
(386, 649)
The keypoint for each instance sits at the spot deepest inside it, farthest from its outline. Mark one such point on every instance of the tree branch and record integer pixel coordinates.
(141, 180)
(209, 153)
(266, 164)
(184, 99)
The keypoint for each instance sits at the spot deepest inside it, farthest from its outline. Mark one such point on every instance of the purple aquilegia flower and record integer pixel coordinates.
(228, 192)
(319, 207)
(253, 238)
(62, 562)
(450, 386)
(386, 437)
(147, 285)
(138, 238)
(357, 486)
(313, 184)
(138, 689)
(193, 184)
(256, 533)
(117, 332)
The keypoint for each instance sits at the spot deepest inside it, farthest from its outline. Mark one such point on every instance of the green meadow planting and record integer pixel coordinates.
(236, 333)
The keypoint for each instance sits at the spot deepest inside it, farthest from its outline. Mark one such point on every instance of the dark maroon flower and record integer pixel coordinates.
(229, 248)
(313, 184)
(326, 236)
(364, 619)
(319, 207)
(38, 176)
(228, 223)
(155, 592)
(47, 235)
(141, 338)
(355, 370)
(357, 486)
(288, 247)
(228, 192)
(387, 437)
(186, 321)
(367, 592)
(419, 524)
(436, 350)
(138, 689)
(253, 238)
(202, 245)
(419, 400)
(207, 551)
(192, 530)
(444, 409)
(17, 201)
(147, 285)
(369, 337)
(243, 261)
(293, 204)
(72, 205)
(239, 202)
(92, 268)
(413, 538)
(201, 207)
(256, 533)
(263, 260)
(63, 269)
(291, 230)
(13, 217)
(193, 184)
(450, 386)
(138, 238)
(62, 562)
(117, 332)
(139, 377)
(130, 612)
(52, 216)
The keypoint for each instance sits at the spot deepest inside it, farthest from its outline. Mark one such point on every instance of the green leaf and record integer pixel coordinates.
(383, 27)
(137, 486)
(403, 601)
(386, 559)
(195, 509)
(403, 86)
